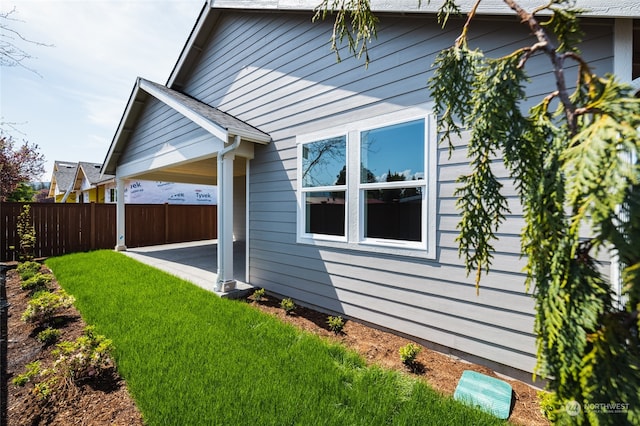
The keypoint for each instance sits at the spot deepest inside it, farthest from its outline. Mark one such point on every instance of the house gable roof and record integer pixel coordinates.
(64, 173)
(211, 119)
(90, 171)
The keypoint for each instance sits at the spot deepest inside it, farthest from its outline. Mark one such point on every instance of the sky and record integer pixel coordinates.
(71, 98)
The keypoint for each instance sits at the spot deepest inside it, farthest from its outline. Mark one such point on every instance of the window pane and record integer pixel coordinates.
(324, 213)
(324, 162)
(394, 214)
(393, 153)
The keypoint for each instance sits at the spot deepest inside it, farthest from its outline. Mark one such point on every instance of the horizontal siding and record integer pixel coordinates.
(157, 127)
(276, 72)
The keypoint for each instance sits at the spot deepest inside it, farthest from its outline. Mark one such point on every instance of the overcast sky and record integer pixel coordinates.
(72, 106)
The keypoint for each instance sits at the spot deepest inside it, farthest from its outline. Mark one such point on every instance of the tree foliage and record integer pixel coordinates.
(17, 165)
(573, 160)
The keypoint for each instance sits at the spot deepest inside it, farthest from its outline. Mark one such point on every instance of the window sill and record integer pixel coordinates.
(409, 250)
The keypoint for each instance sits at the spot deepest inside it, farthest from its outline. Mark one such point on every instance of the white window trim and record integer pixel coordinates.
(354, 240)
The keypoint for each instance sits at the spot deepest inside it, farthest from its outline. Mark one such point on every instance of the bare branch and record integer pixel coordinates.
(550, 49)
(11, 55)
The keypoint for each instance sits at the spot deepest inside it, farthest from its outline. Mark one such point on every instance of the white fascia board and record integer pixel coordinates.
(170, 157)
(208, 125)
(250, 136)
(190, 43)
(619, 8)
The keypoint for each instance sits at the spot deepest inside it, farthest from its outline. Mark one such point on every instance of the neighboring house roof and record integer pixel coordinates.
(210, 118)
(64, 173)
(90, 171)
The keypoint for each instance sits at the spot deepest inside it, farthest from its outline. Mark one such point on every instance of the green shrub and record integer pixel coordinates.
(258, 294)
(48, 335)
(336, 324)
(37, 282)
(45, 305)
(33, 369)
(44, 389)
(28, 269)
(288, 305)
(550, 407)
(86, 357)
(408, 353)
(26, 234)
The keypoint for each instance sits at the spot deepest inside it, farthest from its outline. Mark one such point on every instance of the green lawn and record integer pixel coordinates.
(191, 358)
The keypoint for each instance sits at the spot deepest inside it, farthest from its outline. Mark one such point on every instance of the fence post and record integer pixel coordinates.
(4, 337)
(166, 223)
(92, 240)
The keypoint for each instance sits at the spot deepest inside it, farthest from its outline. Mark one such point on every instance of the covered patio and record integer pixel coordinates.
(167, 136)
(196, 262)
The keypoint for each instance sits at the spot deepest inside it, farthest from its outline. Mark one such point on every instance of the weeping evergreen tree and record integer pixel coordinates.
(573, 159)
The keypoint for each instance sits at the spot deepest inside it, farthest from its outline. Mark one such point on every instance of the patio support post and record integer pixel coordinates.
(120, 216)
(225, 282)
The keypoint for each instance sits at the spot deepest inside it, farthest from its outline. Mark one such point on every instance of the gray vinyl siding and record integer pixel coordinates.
(158, 124)
(276, 72)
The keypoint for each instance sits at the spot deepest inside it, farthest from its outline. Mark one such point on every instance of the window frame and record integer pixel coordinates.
(302, 190)
(363, 187)
(354, 238)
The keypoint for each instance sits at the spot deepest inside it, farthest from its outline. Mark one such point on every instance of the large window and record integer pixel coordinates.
(369, 187)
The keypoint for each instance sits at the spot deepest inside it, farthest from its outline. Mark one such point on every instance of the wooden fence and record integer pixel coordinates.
(67, 228)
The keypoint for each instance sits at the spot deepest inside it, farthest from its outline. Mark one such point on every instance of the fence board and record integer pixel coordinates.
(68, 228)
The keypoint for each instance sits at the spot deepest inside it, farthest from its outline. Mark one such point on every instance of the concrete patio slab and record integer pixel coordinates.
(196, 262)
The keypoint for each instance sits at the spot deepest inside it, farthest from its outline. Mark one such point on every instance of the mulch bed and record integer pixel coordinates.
(107, 402)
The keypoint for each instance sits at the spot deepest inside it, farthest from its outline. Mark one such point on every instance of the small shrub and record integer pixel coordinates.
(408, 353)
(37, 282)
(45, 305)
(26, 234)
(288, 305)
(33, 369)
(48, 335)
(258, 295)
(86, 357)
(28, 269)
(44, 389)
(336, 324)
(550, 406)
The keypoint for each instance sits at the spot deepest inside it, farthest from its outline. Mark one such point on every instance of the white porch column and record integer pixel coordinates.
(120, 217)
(226, 156)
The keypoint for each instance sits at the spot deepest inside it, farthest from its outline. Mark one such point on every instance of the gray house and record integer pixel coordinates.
(330, 174)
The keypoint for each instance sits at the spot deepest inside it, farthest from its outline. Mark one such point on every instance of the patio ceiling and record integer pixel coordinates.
(203, 172)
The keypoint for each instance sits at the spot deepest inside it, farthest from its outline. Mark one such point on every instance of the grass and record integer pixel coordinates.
(190, 358)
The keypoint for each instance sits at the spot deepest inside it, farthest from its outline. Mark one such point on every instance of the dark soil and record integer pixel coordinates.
(96, 402)
(107, 402)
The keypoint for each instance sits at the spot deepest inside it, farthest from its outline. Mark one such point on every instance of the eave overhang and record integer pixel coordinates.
(216, 122)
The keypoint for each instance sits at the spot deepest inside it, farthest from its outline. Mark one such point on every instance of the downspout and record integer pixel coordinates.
(225, 218)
